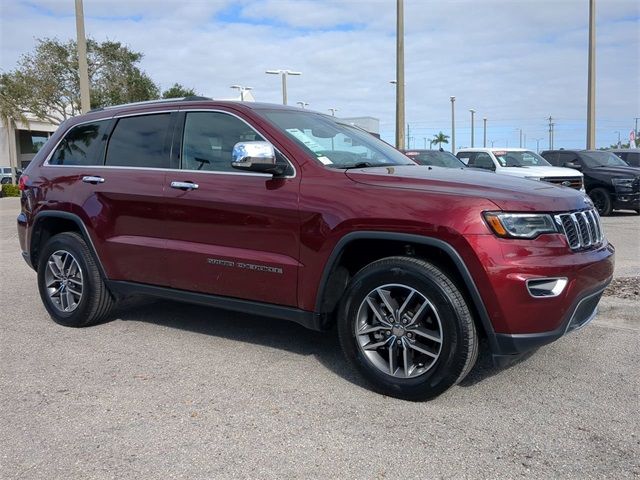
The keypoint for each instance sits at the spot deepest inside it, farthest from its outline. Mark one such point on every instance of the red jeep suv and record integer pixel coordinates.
(296, 215)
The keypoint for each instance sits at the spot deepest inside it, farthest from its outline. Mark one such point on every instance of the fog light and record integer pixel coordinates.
(546, 287)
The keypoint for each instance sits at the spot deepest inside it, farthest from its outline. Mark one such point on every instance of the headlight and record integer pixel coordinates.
(533, 178)
(520, 225)
(622, 182)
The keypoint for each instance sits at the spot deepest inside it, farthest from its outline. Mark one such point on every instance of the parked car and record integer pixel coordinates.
(631, 156)
(5, 175)
(437, 158)
(609, 181)
(519, 162)
(287, 213)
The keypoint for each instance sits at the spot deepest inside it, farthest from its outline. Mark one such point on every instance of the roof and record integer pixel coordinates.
(493, 149)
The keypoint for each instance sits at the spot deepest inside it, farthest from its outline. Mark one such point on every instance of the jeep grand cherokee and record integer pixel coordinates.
(296, 215)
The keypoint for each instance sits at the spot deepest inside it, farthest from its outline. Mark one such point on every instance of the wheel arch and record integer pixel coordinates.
(49, 223)
(333, 280)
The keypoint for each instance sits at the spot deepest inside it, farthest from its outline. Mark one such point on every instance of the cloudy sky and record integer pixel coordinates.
(514, 61)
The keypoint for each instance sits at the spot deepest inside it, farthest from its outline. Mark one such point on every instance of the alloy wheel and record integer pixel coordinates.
(63, 280)
(399, 331)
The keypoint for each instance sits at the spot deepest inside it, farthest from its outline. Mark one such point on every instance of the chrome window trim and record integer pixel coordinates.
(244, 174)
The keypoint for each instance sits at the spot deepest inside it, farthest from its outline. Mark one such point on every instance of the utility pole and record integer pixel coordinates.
(473, 112)
(408, 136)
(525, 140)
(636, 133)
(283, 74)
(425, 142)
(484, 132)
(591, 87)
(453, 125)
(83, 69)
(550, 132)
(400, 74)
(618, 137)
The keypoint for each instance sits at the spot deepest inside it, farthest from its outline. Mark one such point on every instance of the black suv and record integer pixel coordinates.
(629, 155)
(610, 182)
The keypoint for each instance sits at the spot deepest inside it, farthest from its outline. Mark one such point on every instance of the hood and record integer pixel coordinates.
(542, 171)
(507, 192)
(627, 172)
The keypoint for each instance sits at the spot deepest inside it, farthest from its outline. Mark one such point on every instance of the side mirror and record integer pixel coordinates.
(573, 165)
(256, 157)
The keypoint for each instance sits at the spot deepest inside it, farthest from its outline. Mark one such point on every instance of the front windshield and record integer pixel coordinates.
(435, 158)
(603, 159)
(520, 158)
(334, 143)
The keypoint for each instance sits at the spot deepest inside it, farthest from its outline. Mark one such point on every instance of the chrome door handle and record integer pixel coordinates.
(92, 179)
(184, 185)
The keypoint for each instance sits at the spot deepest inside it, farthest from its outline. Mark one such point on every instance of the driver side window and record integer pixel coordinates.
(483, 160)
(209, 138)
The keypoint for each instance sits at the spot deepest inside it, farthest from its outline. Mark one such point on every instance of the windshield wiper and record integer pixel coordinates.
(370, 165)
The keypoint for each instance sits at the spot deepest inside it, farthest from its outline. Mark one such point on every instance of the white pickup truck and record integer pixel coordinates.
(520, 162)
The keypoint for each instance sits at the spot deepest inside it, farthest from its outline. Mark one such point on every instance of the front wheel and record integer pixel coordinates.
(405, 326)
(602, 201)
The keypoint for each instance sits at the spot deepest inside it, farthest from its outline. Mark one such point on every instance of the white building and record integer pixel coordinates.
(19, 142)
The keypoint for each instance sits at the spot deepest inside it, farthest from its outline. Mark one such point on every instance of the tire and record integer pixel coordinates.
(602, 201)
(94, 303)
(418, 376)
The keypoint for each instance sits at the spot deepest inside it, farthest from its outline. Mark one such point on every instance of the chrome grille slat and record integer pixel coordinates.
(582, 229)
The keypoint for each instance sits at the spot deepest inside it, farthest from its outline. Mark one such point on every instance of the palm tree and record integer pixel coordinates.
(440, 138)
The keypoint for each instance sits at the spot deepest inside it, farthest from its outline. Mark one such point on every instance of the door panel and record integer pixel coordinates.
(236, 234)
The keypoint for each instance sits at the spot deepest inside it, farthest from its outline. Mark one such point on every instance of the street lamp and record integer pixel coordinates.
(283, 74)
(484, 136)
(473, 112)
(241, 89)
(303, 104)
(618, 137)
(333, 111)
(537, 144)
(453, 125)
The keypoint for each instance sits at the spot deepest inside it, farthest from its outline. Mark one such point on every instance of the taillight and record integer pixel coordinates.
(22, 183)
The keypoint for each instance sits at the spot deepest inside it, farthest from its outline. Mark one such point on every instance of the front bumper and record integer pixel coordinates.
(626, 201)
(522, 321)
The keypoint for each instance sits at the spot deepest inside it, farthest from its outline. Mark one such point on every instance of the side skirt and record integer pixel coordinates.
(305, 318)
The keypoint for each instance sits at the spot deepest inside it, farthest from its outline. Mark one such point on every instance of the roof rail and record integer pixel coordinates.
(192, 98)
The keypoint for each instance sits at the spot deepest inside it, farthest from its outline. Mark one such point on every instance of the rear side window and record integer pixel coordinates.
(140, 142)
(82, 145)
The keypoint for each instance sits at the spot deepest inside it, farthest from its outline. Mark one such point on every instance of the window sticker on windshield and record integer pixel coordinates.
(499, 153)
(325, 160)
(304, 138)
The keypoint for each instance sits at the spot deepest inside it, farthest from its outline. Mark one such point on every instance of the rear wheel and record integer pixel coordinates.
(601, 200)
(70, 283)
(407, 329)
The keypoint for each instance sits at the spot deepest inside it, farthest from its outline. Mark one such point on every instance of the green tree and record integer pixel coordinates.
(46, 82)
(440, 138)
(178, 91)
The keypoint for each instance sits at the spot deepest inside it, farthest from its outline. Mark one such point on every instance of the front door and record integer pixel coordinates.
(229, 233)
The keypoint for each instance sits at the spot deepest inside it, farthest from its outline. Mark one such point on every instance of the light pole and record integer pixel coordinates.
(520, 130)
(83, 70)
(333, 111)
(551, 124)
(283, 74)
(400, 74)
(473, 112)
(484, 134)
(302, 104)
(241, 89)
(538, 144)
(453, 125)
(591, 79)
(618, 137)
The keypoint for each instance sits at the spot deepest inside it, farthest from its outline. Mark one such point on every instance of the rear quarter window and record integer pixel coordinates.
(82, 145)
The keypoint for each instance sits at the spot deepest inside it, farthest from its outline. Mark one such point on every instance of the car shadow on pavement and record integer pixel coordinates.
(273, 333)
(252, 329)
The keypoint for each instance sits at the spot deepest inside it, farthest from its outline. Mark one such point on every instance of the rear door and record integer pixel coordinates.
(117, 169)
(230, 233)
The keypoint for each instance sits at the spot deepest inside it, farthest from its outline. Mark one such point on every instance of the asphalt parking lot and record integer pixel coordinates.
(168, 390)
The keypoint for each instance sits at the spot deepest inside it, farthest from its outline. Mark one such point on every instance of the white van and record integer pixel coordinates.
(520, 162)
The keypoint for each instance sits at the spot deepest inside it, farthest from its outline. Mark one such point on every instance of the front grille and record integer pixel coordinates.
(573, 182)
(582, 229)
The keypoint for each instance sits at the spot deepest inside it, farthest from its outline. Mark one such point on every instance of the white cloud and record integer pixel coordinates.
(513, 61)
